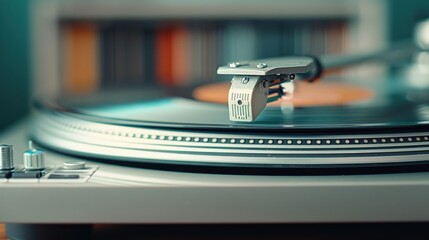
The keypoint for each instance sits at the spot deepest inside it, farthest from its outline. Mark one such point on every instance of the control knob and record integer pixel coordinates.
(34, 159)
(6, 157)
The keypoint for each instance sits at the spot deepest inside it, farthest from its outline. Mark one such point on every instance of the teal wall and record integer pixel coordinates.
(402, 15)
(14, 61)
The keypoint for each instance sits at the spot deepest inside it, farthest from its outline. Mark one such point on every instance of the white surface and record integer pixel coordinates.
(23, 180)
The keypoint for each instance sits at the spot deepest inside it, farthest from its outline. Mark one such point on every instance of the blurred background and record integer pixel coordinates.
(54, 48)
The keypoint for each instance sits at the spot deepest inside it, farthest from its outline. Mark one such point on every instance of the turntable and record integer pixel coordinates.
(161, 159)
(333, 153)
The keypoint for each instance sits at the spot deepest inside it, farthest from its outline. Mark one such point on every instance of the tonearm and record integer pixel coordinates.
(256, 83)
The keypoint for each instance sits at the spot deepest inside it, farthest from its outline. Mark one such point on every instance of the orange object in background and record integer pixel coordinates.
(81, 58)
(164, 55)
(173, 55)
(306, 94)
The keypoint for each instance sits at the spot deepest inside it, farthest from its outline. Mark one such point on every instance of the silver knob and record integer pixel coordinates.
(74, 165)
(34, 159)
(6, 157)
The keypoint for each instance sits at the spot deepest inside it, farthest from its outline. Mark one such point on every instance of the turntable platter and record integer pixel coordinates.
(385, 130)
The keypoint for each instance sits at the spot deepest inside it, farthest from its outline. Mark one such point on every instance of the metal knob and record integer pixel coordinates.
(6, 157)
(34, 159)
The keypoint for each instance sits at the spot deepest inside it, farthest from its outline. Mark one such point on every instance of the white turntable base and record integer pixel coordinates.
(117, 194)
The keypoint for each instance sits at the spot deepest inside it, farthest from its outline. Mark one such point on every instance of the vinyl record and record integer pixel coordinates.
(323, 106)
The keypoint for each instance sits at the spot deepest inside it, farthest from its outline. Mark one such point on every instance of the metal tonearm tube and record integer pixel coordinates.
(256, 83)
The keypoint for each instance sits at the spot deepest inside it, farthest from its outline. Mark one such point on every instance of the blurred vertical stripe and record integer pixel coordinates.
(181, 57)
(81, 57)
(121, 56)
(164, 58)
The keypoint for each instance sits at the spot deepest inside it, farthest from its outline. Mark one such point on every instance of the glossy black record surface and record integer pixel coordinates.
(178, 112)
